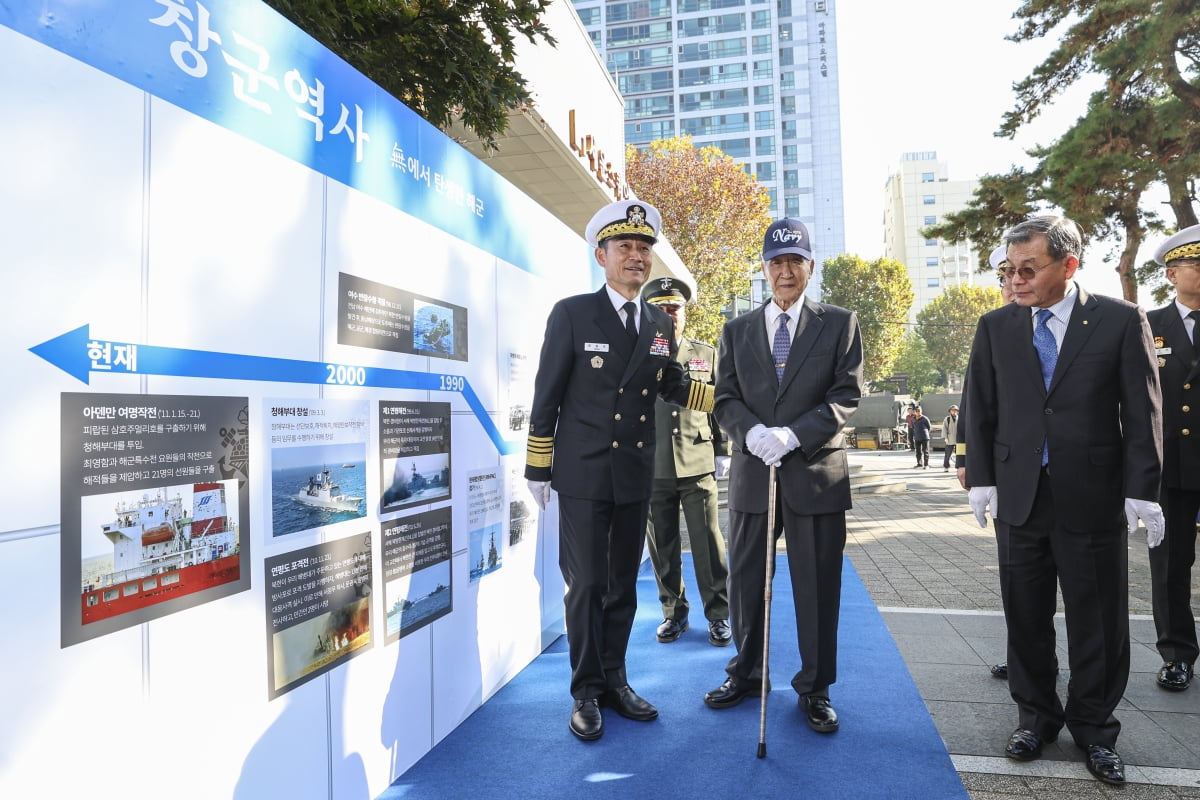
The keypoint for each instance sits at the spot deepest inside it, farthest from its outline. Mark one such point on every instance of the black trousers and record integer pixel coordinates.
(814, 557)
(1171, 577)
(1092, 568)
(922, 447)
(599, 553)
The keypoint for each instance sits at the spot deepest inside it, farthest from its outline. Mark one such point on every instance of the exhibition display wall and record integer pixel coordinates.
(270, 340)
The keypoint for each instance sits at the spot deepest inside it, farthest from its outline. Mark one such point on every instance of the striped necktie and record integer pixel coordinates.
(781, 346)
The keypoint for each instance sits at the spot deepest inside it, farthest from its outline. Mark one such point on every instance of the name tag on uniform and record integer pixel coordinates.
(699, 364)
(1163, 351)
(595, 347)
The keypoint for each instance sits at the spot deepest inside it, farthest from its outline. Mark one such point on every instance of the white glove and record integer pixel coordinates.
(777, 444)
(1150, 513)
(722, 467)
(755, 437)
(541, 493)
(982, 499)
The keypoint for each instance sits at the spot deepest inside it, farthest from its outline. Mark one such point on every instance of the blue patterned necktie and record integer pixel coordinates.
(1047, 351)
(630, 316)
(781, 346)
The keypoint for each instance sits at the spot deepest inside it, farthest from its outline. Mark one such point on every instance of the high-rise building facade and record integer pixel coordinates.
(917, 195)
(757, 79)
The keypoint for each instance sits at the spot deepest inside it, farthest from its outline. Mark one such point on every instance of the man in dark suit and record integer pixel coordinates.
(689, 455)
(605, 358)
(1063, 417)
(789, 377)
(1176, 343)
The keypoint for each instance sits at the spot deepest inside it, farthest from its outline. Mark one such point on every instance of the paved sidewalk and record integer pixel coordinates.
(932, 571)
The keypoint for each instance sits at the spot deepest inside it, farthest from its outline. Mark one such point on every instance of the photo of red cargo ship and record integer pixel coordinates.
(162, 549)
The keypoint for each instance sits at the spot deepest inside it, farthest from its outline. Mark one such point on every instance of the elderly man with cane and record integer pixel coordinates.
(789, 376)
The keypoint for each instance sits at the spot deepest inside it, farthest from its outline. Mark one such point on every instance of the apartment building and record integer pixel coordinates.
(757, 79)
(918, 194)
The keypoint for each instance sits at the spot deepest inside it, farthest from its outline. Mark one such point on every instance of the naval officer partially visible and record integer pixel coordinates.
(605, 359)
(1177, 345)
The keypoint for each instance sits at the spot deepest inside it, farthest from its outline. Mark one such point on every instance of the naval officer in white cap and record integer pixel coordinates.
(1176, 345)
(605, 359)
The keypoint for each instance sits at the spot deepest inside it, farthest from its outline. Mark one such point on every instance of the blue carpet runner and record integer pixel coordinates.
(517, 745)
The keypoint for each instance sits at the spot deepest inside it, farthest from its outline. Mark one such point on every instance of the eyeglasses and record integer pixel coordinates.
(1026, 273)
(1194, 263)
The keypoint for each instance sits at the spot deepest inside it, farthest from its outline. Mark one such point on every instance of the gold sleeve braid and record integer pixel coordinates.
(700, 397)
(960, 449)
(539, 450)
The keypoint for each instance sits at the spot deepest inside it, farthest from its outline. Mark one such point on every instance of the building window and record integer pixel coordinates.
(931, 261)
(931, 242)
(926, 177)
(763, 69)
(718, 73)
(791, 206)
(737, 148)
(928, 199)
(761, 44)
(791, 179)
(760, 19)
(764, 145)
(787, 105)
(790, 154)
(764, 120)
(787, 80)
(589, 16)
(933, 283)
(764, 95)
(765, 170)
(789, 129)
(930, 220)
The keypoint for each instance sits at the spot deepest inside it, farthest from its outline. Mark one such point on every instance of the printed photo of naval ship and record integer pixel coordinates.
(417, 599)
(166, 542)
(322, 492)
(415, 480)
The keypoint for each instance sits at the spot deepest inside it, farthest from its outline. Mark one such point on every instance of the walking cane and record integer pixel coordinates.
(766, 654)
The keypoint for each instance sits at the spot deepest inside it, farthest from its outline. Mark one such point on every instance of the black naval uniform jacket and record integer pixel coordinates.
(1179, 377)
(591, 426)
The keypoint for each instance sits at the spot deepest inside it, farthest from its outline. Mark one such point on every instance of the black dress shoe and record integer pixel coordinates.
(586, 722)
(819, 713)
(1000, 671)
(732, 692)
(1105, 764)
(1025, 745)
(1175, 676)
(625, 702)
(719, 633)
(671, 629)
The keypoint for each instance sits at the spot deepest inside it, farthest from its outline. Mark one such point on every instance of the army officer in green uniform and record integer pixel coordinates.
(690, 454)
(605, 358)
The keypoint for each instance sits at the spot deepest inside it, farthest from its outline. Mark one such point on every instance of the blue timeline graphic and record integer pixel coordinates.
(70, 353)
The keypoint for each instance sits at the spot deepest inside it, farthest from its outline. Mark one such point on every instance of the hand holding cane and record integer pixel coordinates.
(766, 653)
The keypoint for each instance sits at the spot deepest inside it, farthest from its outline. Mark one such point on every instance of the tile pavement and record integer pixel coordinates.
(932, 572)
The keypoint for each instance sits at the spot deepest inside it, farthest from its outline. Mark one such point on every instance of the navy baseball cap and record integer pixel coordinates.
(786, 236)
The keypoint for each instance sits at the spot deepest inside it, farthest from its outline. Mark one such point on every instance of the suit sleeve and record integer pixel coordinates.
(735, 417)
(1141, 410)
(549, 386)
(977, 417)
(815, 428)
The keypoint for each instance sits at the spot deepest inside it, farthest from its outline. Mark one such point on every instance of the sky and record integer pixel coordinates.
(938, 75)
